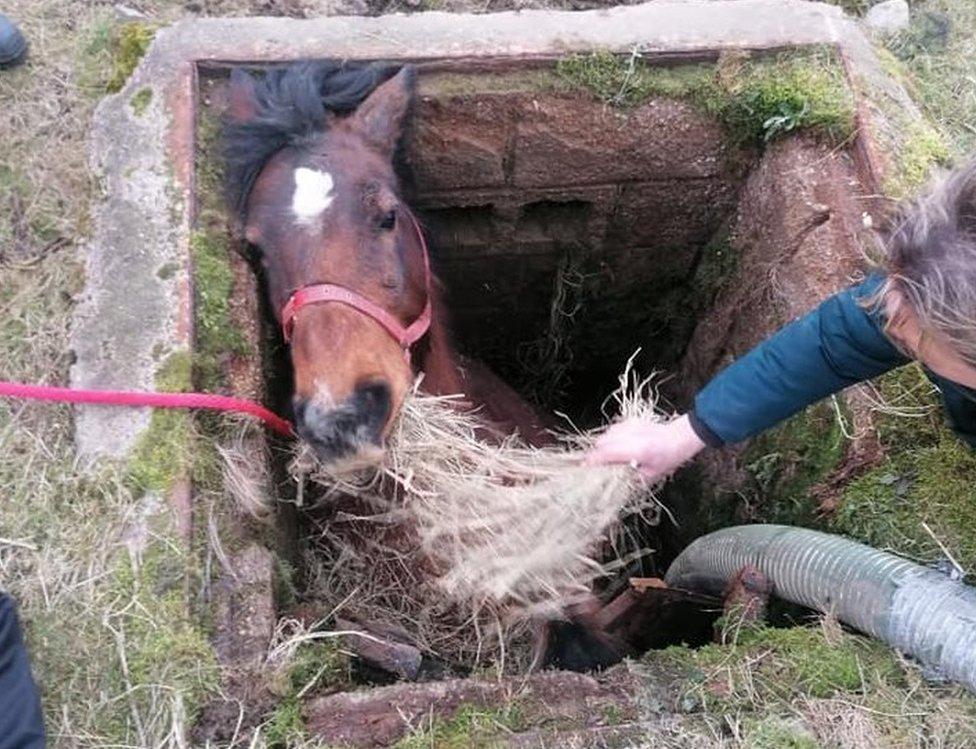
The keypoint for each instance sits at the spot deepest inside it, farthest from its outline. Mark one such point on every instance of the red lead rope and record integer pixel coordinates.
(153, 400)
(405, 335)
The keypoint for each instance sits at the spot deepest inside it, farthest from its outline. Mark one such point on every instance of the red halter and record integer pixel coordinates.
(405, 335)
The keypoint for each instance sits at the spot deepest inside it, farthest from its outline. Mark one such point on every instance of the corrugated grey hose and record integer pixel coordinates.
(917, 610)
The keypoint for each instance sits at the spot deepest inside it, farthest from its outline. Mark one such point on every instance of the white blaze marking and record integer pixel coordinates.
(313, 194)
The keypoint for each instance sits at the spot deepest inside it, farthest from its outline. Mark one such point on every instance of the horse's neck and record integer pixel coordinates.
(441, 364)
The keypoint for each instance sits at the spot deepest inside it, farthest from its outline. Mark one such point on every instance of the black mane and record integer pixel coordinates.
(292, 103)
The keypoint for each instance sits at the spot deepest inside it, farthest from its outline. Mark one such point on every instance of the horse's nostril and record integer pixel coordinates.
(375, 395)
(344, 429)
(372, 402)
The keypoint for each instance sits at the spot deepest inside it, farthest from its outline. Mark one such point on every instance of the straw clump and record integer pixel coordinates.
(464, 539)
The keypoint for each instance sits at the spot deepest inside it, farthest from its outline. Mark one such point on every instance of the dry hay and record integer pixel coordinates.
(463, 542)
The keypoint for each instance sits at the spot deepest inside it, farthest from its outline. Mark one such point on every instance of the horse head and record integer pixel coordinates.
(309, 156)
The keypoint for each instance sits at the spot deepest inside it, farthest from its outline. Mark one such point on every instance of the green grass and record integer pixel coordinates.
(786, 462)
(924, 478)
(74, 529)
(795, 662)
(286, 727)
(470, 727)
(814, 686)
(776, 732)
(118, 657)
(757, 100)
(939, 52)
(85, 603)
(315, 664)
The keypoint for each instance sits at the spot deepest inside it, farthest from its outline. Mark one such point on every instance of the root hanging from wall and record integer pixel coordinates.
(546, 361)
(462, 543)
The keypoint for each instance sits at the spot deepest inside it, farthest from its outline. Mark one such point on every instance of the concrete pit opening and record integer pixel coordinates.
(580, 209)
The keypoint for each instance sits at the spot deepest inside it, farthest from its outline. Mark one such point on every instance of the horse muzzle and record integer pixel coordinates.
(340, 431)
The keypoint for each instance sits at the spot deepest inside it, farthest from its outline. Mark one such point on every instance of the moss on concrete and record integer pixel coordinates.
(922, 149)
(213, 276)
(140, 100)
(109, 53)
(914, 146)
(448, 84)
(756, 99)
(162, 455)
(769, 98)
(216, 335)
(207, 163)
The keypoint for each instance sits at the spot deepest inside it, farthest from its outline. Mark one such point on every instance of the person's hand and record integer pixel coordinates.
(656, 449)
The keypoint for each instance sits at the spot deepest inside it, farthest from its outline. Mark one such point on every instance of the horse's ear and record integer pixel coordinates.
(242, 102)
(380, 118)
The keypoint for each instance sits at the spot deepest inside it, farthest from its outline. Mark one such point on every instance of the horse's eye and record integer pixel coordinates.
(388, 221)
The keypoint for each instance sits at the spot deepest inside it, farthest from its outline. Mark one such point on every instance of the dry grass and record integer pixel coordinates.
(469, 540)
(76, 548)
(939, 49)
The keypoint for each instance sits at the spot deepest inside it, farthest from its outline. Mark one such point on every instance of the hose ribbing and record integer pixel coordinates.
(917, 610)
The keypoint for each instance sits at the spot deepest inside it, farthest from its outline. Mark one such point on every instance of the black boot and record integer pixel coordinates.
(21, 724)
(13, 46)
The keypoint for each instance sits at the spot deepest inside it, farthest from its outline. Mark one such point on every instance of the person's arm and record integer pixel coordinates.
(836, 345)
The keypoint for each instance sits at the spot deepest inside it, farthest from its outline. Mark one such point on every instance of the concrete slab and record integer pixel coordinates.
(136, 310)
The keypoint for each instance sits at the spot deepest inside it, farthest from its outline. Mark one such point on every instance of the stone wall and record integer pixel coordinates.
(513, 181)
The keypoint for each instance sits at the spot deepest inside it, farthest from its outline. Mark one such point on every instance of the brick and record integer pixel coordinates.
(459, 142)
(577, 140)
(672, 213)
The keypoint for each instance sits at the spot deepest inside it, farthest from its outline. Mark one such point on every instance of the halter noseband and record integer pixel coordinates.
(405, 335)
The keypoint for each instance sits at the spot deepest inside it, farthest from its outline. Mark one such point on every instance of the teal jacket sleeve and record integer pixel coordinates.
(960, 404)
(836, 345)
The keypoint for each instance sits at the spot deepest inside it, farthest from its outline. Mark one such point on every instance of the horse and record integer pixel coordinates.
(310, 154)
